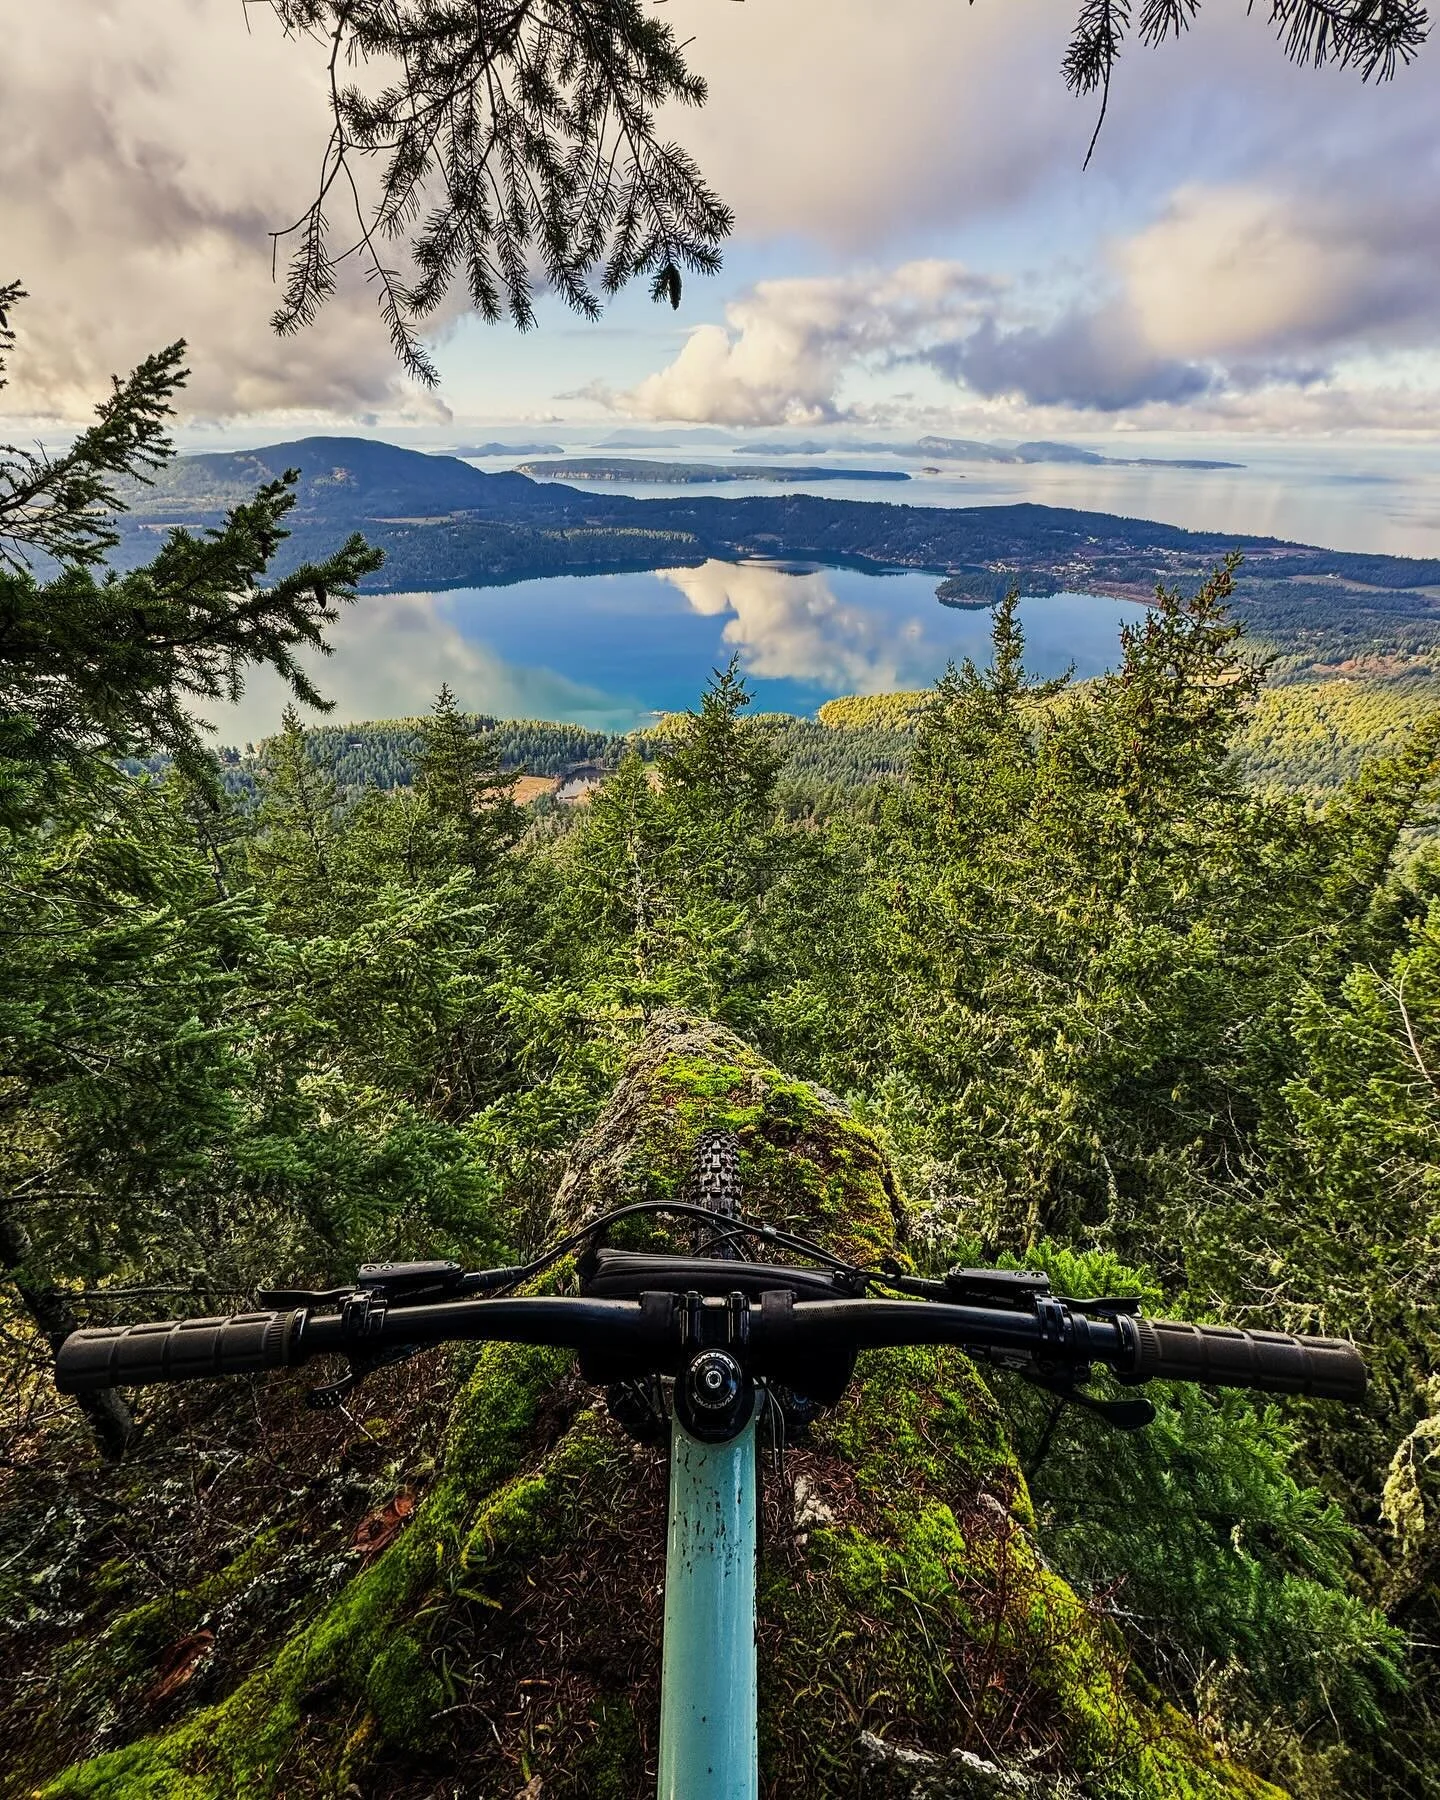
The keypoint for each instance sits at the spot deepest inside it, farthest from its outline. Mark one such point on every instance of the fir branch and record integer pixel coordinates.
(1377, 37)
(516, 147)
(62, 507)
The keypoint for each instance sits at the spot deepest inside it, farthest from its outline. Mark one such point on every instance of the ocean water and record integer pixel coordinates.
(611, 651)
(1362, 495)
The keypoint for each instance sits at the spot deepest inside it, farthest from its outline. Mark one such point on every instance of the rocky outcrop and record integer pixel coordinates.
(892, 1772)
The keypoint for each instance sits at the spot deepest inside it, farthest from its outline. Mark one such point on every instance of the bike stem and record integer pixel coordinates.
(708, 1712)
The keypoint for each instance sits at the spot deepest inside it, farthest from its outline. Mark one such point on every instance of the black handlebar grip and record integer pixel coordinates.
(1271, 1361)
(176, 1350)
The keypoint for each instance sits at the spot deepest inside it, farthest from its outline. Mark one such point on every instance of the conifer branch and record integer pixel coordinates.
(516, 148)
(1377, 37)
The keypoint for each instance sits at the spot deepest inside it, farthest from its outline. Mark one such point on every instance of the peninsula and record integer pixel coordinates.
(672, 474)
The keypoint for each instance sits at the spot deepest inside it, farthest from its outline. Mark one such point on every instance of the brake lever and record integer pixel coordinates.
(1122, 1415)
(398, 1284)
(332, 1393)
(290, 1299)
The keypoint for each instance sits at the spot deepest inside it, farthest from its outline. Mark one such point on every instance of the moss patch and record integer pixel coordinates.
(923, 1612)
(805, 1162)
(244, 1745)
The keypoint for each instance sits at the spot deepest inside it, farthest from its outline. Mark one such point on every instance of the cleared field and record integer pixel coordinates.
(531, 787)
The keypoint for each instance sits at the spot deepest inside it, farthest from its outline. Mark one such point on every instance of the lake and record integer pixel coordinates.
(610, 651)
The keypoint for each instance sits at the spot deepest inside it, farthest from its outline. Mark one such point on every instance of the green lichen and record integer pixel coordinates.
(925, 1411)
(805, 1162)
(532, 1515)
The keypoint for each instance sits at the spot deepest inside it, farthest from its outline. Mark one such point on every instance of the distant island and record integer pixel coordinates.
(634, 468)
(819, 447)
(978, 587)
(944, 449)
(973, 590)
(971, 450)
(499, 449)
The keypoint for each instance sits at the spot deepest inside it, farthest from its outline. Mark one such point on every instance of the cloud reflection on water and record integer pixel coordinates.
(392, 652)
(603, 651)
(792, 625)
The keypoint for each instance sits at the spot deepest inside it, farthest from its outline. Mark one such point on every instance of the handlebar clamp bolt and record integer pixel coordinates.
(714, 1381)
(714, 1397)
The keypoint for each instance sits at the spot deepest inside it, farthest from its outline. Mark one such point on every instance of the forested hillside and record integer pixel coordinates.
(1306, 736)
(1074, 994)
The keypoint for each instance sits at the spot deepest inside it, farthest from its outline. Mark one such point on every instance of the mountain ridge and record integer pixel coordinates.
(444, 524)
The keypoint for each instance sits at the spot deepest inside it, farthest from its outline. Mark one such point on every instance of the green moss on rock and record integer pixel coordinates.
(403, 1692)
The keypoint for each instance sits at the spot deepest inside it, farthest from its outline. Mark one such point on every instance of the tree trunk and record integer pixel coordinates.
(902, 1593)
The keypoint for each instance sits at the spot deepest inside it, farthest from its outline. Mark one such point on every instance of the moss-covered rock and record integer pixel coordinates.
(512, 1630)
(804, 1161)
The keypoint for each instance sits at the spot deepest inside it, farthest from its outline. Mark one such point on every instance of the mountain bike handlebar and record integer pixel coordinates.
(810, 1343)
(742, 1339)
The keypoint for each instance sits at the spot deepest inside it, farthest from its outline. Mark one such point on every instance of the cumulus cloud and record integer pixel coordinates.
(1265, 224)
(1089, 360)
(1230, 290)
(786, 346)
(1245, 271)
(788, 349)
(147, 153)
(855, 124)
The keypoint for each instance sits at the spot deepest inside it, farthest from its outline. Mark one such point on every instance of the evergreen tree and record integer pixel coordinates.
(1077, 907)
(95, 665)
(718, 776)
(622, 879)
(672, 864)
(118, 1062)
(291, 852)
(459, 778)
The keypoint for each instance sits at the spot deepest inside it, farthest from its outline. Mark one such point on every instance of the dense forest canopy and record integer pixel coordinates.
(1111, 1009)
(1305, 735)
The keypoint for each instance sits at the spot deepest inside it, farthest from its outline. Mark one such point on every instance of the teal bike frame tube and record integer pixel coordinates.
(708, 1741)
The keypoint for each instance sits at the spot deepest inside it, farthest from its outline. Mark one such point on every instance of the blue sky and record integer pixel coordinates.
(1253, 255)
